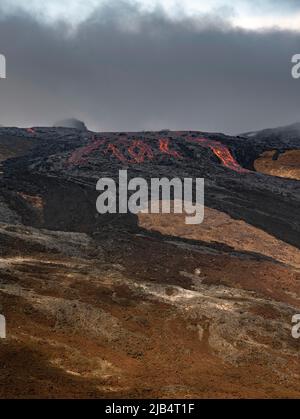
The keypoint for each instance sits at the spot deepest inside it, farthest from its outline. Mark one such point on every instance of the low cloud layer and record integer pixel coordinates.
(125, 69)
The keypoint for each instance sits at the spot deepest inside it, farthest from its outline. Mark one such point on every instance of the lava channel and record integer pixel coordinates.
(222, 152)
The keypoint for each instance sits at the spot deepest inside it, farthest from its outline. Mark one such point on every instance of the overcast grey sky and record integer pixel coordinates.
(127, 65)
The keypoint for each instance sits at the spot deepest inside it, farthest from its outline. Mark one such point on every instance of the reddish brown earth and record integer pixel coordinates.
(122, 325)
(286, 164)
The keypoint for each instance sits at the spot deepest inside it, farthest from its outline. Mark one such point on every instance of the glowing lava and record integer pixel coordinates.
(30, 130)
(116, 152)
(138, 151)
(221, 151)
(77, 157)
(164, 148)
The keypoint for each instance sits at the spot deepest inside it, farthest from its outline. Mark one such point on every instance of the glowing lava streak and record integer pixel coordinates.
(30, 130)
(144, 151)
(222, 152)
(138, 151)
(77, 156)
(164, 148)
(116, 152)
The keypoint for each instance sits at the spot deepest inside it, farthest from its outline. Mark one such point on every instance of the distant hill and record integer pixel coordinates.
(287, 133)
(71, 123)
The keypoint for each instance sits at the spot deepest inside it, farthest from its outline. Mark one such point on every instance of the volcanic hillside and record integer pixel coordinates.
(66, 163)
(144, 305)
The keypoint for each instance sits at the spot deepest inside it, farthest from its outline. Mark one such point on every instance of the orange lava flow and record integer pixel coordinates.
(222, 152)
(138, 151)
(77, 156)
(116, 152)
(164, 148)
(144, 151)
(30, 130)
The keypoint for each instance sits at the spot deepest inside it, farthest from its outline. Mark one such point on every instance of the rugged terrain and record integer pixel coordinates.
(147, 306)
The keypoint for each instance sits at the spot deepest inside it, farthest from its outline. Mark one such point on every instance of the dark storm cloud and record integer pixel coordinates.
(125, 70)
